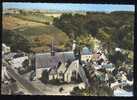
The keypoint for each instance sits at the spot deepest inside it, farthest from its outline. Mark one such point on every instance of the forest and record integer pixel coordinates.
(115, 29)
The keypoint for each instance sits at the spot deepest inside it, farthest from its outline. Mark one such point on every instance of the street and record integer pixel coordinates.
(26, 84)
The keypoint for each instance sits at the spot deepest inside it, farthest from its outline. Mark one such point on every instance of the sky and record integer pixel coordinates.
(70, 6)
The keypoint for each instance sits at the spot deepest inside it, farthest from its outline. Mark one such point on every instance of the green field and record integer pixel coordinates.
(40, 18)
(38, 30)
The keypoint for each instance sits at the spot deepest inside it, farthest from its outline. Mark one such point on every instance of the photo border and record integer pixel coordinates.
(129, 2)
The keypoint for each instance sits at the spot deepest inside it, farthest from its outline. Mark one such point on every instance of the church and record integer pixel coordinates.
(60, 65)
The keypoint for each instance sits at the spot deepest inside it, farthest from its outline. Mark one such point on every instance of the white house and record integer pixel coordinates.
(118, 49)
(74, 45)
(5, 74)
(64, 73)
(86, 54)
(5, 49)
(72, 71)
(17, 62)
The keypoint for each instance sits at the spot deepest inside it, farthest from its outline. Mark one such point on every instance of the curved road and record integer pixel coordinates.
(25, 83)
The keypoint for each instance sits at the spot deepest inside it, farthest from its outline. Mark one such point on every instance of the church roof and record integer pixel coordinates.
(46, 60)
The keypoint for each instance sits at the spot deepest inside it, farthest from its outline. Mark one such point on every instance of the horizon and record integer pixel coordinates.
(69, 7)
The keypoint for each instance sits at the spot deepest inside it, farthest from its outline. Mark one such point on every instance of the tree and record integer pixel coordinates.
(86, 40)
(61, 89)
(16, 41)
(102, 91)
(108, 28)
(25, 65)
(117, 58)
(73, 25)
(76, 91)
(45, 76)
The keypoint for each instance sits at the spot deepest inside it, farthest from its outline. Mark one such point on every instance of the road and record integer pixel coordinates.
(83, 76)
(25, 83)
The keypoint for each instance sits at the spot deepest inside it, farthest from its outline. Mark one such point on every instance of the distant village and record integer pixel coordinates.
(68, 67)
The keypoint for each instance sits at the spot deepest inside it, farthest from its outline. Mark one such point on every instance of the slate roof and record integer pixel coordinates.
(46, 60)
(9, 56)
(86, 51)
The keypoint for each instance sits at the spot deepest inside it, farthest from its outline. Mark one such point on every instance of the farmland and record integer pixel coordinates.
(10, 23)
(38, 34)
(39, 18)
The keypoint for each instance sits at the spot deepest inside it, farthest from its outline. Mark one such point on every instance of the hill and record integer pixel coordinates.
(35, 16)
(38, 35)
(115, 29)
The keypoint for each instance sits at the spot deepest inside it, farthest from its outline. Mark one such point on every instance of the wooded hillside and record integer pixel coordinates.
(114, 29)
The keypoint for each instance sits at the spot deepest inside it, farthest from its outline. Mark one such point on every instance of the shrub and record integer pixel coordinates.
(55, 82)
(44, 77)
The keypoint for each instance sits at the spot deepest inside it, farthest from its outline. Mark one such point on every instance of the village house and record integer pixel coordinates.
(72, 72)
(66, 73)
(5, 49)
(5, 74)
(86, 54)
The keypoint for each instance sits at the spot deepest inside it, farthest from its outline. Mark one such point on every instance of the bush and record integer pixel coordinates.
(104, 91)
(25, 64)
(117, 58)
(55, 82)
(61, 89)
(128, 88)
(76, 91)
(44, 79)
(21, 70)
(32, 75)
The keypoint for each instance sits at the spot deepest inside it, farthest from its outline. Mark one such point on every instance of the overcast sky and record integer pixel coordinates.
(70, 6)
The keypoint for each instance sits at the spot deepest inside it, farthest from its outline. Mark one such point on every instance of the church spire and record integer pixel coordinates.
(52, 49)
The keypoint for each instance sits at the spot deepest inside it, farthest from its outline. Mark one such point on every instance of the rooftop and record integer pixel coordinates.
(86, 51)
(46, 60)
